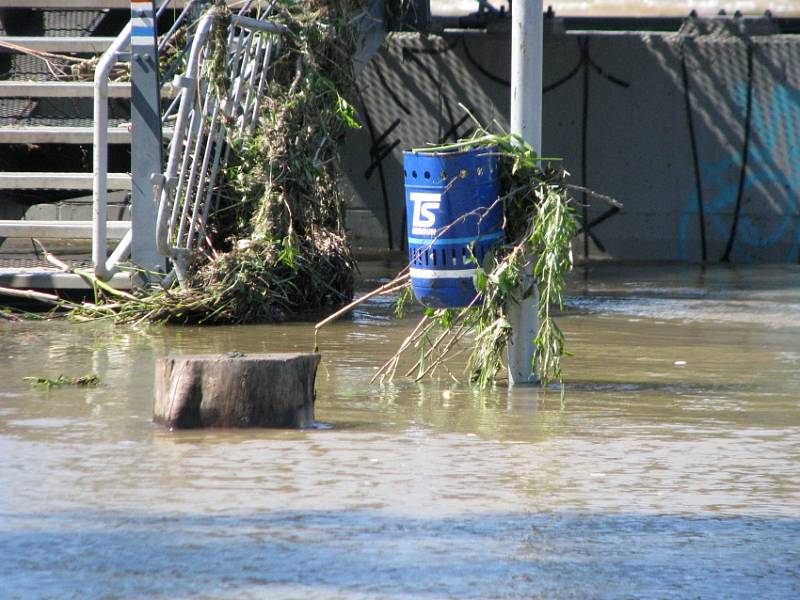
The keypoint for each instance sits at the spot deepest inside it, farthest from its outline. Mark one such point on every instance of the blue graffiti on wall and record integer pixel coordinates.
(773, 179)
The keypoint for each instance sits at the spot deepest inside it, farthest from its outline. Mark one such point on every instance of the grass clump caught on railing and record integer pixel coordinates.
(275, 243)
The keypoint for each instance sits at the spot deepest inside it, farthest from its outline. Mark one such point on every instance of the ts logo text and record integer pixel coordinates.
(423, 217)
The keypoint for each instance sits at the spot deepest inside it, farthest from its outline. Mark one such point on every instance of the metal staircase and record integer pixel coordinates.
(55, 206)
(138, 225)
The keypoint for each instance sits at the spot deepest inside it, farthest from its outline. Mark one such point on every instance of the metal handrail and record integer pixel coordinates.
(105, 267)
(191, 221)
(102, 270)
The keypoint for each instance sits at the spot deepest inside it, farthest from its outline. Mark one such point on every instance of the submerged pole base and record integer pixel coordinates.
(235, 390)
(524, 319)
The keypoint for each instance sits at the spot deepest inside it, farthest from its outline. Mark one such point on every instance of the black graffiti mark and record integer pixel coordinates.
(695, 157)
(480, 68)
(559, 82)
(379, 154)
(380, 150)
(455, 136)
(381, 175)
(587, 229)
(584, 133)
(453, 131)
(587, 62)
(602, 72)
(432, 78)
(505, 82)
(745, 152)
(583, 60)
(378, 142)
(389, 90)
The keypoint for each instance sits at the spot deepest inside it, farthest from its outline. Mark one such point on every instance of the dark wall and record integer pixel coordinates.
(717, 181)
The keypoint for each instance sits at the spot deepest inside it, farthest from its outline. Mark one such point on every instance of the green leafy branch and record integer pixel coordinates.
(540, 223)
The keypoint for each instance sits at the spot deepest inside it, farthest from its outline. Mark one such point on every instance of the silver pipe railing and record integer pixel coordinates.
(106, 266)
(102, 270)
(197, 148)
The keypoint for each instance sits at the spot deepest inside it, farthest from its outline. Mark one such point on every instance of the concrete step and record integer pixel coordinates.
(34, 273)
(66, 4)
(68, 89)
(50, 134)
(62, 230)
(62, 45)
(46, 134)
(53, 279)
(17, 180)
(59, 89)
(85, 4)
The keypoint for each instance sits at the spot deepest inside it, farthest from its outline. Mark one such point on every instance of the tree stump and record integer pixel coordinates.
(236, 390)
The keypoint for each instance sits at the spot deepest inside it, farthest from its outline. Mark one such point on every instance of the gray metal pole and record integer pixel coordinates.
(526, 121)
(146, 145)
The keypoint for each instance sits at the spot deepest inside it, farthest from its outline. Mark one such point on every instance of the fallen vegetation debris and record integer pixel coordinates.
(539, 223)
(89, 380)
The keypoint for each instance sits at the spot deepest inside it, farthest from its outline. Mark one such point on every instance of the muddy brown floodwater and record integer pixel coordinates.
(673, 471)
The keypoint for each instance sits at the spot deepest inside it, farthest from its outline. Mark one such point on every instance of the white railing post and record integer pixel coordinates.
(100, 153)
(527, 23)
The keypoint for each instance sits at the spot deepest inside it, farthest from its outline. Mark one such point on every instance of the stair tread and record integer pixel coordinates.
(60, 229)
(67, 89)
(59, 89)
(79, 44)
(57, 223)
(73, 120)
(66, 174)
(64, 134)
(52, 134)
(26, 127)
(31, 272)
(77, 4)
(53, 180)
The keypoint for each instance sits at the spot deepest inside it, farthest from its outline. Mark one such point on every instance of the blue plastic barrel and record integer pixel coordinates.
(448, 196)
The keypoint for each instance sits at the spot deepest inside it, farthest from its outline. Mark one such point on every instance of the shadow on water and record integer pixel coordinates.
(371, 554)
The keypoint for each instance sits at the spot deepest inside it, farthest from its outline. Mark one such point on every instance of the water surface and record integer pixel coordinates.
(673, 471)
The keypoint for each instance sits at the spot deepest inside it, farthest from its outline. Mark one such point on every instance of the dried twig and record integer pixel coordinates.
(31, 295)
(608, 199)
(395, 284)
(406, 343)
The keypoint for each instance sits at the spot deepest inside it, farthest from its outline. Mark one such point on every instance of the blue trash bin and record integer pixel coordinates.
(440, 189)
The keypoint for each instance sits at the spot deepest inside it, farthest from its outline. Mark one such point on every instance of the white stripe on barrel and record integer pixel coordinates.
(441, 274)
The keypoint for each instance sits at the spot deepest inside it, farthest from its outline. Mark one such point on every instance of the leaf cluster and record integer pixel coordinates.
(540, 223)
(276, 243)
(89, 380)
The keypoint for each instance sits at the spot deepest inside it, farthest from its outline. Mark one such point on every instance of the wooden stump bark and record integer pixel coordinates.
(236, 390)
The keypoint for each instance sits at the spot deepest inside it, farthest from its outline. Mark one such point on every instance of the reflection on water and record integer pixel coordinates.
(671, 472)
